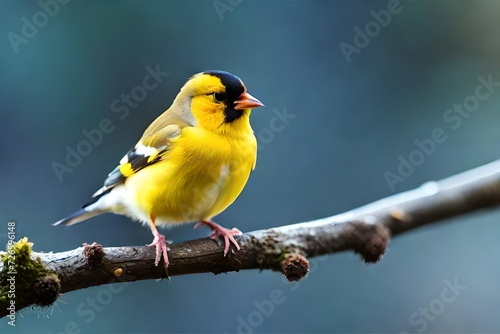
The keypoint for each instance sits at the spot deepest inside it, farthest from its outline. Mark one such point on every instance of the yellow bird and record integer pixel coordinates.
(191, 163)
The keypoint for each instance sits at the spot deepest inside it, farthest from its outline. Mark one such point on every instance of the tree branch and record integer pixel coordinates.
(365, 230)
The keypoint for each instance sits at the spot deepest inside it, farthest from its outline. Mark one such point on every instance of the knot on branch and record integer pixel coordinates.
(94, 253)
(294, 266)
(370, 240)
(46, 290)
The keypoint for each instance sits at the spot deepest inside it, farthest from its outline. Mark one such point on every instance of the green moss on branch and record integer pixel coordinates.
(25, 281)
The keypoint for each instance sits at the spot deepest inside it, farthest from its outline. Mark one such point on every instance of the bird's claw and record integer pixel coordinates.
(227, 234)
(161, 249)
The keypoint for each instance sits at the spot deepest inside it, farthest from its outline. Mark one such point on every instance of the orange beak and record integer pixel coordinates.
(247, 101)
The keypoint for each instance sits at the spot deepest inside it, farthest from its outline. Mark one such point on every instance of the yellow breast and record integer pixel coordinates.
(202, 174)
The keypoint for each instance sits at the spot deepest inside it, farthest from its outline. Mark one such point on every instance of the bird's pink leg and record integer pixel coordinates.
(218, 230)
(159, 242)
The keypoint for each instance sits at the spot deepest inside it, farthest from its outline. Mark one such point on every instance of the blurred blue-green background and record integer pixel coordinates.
(352, 114)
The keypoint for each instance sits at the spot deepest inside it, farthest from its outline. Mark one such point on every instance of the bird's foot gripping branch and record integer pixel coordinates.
(28, 278)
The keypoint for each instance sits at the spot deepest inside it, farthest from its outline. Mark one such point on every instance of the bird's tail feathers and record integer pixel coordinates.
(105, 202)
(77, 217)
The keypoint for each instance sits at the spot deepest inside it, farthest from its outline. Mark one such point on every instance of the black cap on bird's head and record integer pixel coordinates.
(235, 97)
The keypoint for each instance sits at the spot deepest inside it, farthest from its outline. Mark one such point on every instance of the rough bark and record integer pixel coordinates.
(365, 230)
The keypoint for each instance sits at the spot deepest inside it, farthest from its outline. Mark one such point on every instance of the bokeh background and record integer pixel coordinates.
(352, 118)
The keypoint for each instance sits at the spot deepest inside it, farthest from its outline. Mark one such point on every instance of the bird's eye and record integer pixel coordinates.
(219, 97)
